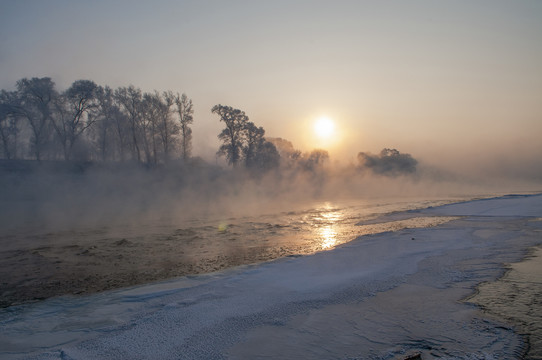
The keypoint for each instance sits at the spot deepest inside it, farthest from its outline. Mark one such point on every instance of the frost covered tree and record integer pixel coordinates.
(289, 155)
(9, 123)
(117, 125)
(151, 109)
(267, 157)
(167, 128)
(260, 154)
(254, 142)
(111, 128)
(153, 132)
(73, 113)
(243, 141)
(233, 136)
(36, 98)
(185, 110)
(160, 129)
(389, 162)
(316, 159)
(130, 100)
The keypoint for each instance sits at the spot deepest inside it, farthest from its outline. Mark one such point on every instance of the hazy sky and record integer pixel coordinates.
(438, 79)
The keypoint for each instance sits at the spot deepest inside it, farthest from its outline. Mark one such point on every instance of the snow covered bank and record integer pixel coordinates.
(511, 205)
(380, 296)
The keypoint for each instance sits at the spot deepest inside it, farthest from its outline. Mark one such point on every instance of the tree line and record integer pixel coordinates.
(89, 122)
(97, 123)
(92, 122)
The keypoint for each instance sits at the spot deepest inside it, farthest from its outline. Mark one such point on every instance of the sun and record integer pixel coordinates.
(324, 127)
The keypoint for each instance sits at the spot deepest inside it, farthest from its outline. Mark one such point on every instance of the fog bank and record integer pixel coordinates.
(66, 195)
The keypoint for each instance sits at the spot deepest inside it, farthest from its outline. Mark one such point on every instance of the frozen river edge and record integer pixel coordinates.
(382, 296)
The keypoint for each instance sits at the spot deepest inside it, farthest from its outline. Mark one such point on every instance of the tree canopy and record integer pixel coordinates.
(389, 162)
(243, 141)
(92, 122)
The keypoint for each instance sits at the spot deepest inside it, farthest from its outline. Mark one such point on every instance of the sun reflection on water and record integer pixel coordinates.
(328, 236)
(326, 222)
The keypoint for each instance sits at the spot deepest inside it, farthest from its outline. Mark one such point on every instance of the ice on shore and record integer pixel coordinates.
(378, 297)
(508, 206)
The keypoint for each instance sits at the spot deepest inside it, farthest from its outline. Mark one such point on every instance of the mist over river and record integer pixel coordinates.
(402, 290)
(87, 259)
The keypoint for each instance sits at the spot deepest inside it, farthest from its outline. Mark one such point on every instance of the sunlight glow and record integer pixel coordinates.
(324, 127)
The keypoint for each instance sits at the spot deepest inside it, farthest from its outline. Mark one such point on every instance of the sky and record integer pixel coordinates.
(455, 82)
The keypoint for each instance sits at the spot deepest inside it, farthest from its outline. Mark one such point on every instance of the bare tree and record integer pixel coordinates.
(254, 141)
(9, 117)
(267, 157)
(109, 128)
(150, 115)
(185, 111)
(260, 154)
(315, 159)
(233, 135)
(36, 96)
(289, 156)
(113, 124)
(130, 99)
(167, 128)
(73, 113)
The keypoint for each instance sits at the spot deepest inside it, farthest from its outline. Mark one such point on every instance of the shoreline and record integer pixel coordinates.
(94, 260)
(382, 296)
(512, 299)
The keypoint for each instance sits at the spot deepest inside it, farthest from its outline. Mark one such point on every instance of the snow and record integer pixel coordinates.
(511, 205)
(380, 296)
